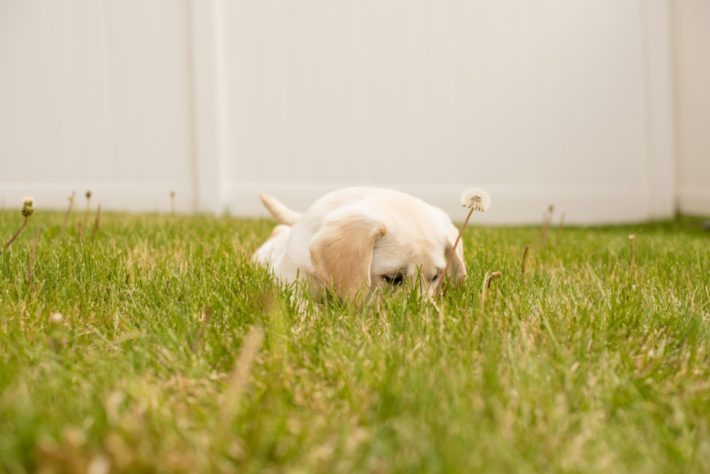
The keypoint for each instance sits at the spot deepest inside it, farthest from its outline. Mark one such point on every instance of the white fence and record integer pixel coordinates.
(566, 102)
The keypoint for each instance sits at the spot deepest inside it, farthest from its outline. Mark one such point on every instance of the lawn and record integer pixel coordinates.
(173, 353)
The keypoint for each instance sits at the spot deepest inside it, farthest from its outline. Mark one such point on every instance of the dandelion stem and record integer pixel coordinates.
(172, 203)
(72, 197)
(559, 228)
(17, 234)
(546, 224)
(97, 221)
(88, 206)
(453, 251)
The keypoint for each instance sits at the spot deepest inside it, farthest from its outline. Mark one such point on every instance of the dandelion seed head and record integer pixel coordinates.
(27, 203)
(476, 199)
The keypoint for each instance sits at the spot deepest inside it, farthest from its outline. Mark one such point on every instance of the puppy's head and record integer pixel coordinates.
(354, 250)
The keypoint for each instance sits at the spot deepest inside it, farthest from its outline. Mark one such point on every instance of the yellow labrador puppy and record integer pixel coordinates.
(355, 239)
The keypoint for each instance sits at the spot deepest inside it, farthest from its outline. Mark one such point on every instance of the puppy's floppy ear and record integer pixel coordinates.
(457, 269)
(341, 251)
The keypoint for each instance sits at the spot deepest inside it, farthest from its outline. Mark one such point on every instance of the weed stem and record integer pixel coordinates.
(453, 251)
(17, 234)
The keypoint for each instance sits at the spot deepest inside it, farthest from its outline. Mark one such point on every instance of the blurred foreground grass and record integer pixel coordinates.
(173, 353)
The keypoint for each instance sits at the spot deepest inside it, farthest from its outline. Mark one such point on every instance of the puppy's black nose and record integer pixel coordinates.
(395, 279)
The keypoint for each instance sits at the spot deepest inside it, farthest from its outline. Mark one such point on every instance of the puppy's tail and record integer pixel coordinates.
(281, 213)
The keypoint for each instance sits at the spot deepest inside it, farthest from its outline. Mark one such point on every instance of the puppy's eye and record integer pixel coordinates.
(395, 279)
(436, 277)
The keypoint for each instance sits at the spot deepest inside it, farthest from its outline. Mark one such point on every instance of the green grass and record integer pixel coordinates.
(176, 354)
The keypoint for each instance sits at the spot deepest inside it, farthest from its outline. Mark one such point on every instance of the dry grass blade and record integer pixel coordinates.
(487, 281)
(31, 262)
(239, 378)
(632, 244)
(172, 203)
(439, 313)
(524, 261)
(205, 317)
(547, 218)
(559, 228)
(97, 220)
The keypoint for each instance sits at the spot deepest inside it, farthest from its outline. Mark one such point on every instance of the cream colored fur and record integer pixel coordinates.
(355, 239)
